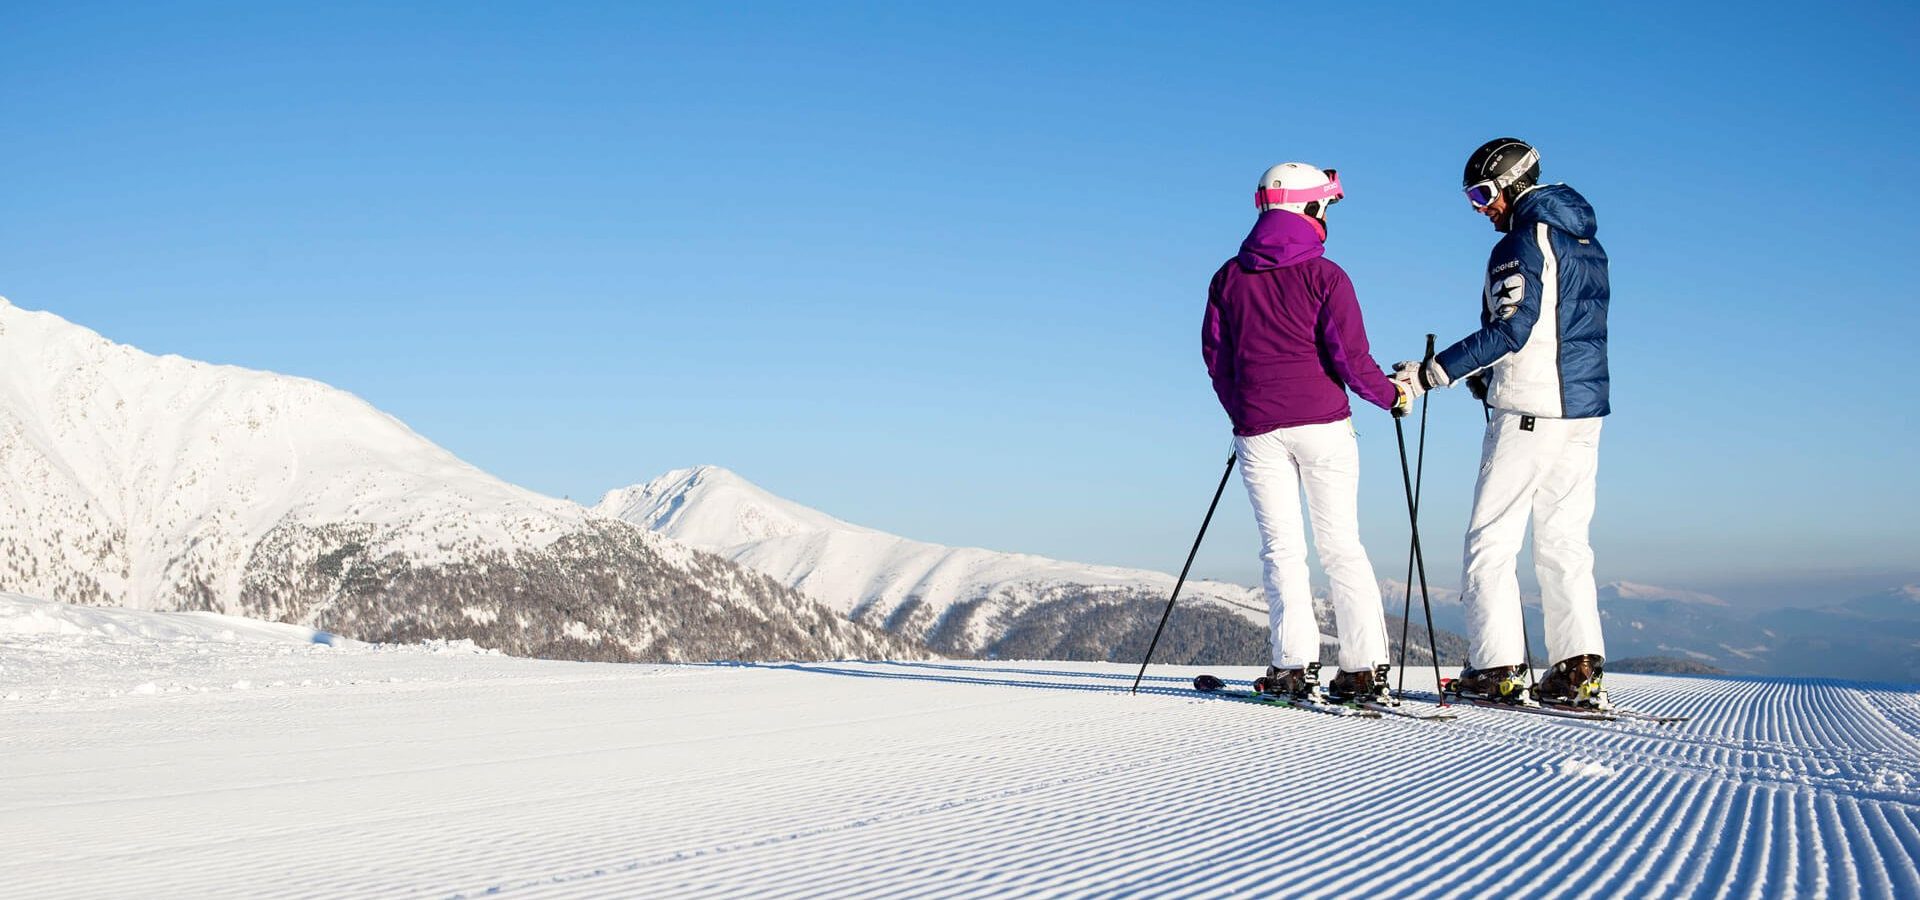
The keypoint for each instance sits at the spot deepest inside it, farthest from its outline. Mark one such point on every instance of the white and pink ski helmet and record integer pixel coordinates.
(1298, 187)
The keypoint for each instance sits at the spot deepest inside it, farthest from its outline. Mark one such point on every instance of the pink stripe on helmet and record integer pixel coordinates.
(1275, 196)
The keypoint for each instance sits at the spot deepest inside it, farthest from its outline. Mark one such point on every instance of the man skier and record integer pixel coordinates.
(1539, 363)
(1283, 341)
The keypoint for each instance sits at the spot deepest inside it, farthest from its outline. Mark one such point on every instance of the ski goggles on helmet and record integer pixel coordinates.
(1329, 192)
(1482, 193)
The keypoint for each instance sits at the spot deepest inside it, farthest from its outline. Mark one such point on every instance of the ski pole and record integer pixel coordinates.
(1526, 646)
(1419, 558)
(1419, 479)
(1231, 459)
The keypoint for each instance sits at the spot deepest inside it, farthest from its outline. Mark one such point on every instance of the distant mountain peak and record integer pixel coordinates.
(714, 507)
(1636, 591)
(958, 599)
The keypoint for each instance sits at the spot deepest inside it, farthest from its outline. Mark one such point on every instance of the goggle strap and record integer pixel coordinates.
(1502, 182)
(1518, 169)
(1276, 196)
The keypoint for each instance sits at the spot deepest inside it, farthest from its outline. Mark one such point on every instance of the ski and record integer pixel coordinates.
(1391, 705)
(1621, 712)
(1215, 687)
(1394, 709)
(1554, 709)
(1568, 711)
(1561, 712)
(1336, 709)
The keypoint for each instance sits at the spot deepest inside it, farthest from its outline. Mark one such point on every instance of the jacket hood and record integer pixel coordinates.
(1281, 238)
(1559, 206)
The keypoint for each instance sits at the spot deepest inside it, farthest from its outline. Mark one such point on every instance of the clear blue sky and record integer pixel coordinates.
(939, 269)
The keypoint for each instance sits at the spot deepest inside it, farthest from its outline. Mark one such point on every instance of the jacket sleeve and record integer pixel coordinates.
(1216, 347)
(1343, 338)
(1511, 305)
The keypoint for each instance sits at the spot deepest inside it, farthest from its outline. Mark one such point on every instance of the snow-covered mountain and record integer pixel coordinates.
(1666, 629)
(1660, 628)
(1632, 590)
(128, 479)
(957, 599)
(1900, 604)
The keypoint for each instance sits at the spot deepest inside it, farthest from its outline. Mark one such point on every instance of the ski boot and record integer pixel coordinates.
(1364, 686)
(1573, 682)
(1293, 684)
(1505, 684)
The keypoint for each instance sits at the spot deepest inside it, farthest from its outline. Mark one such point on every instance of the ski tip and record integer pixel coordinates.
(1207, 683)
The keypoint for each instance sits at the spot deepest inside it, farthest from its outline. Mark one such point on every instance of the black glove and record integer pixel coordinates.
(1477, 385)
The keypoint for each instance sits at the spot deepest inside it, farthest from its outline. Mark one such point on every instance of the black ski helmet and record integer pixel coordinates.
(1501, 167)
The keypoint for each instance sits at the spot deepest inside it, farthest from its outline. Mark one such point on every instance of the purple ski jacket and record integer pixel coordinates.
(1283, 338)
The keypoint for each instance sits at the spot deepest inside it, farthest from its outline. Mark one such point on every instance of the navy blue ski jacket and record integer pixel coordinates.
(1542, 343)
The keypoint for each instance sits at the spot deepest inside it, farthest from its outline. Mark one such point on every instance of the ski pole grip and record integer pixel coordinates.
(1429, 356)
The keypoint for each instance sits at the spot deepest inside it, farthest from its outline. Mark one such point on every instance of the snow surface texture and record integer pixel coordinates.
(161, 483)
(183, 766)
(961, 600)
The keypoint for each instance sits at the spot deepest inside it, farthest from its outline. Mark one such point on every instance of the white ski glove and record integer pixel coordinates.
(1402, 400)
(1417, 378)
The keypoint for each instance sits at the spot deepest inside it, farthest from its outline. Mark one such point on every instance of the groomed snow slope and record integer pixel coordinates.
(134, 766)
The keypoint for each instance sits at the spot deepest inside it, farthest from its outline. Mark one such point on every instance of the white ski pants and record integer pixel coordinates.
(1325, 460)
(1543, 470)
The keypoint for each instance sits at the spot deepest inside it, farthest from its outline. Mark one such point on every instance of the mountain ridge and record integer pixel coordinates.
(160, 482)
(976, 602)
(966, 601)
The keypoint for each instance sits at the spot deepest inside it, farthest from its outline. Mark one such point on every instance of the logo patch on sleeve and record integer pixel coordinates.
(1503, 299)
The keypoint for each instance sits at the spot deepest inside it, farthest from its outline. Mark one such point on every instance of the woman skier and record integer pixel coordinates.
(1284, 341)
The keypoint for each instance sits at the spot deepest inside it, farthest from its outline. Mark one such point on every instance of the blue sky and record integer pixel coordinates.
(940, 269)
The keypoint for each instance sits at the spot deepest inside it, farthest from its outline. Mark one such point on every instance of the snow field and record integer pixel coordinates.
(387, 771)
